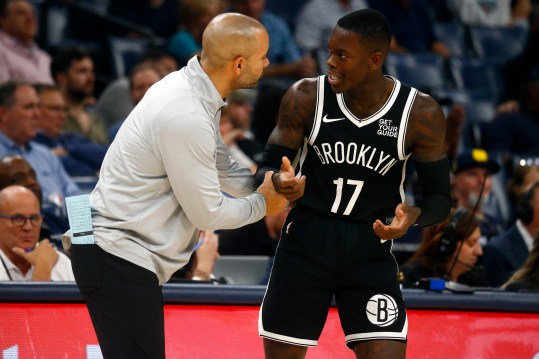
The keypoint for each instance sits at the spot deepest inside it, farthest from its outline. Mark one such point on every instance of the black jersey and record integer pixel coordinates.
(355, 167)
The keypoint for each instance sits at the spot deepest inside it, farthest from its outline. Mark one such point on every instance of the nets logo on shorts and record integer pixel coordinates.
(382, 310)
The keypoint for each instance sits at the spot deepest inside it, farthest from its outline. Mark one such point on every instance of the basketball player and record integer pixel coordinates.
(355, 129)
(161, 182)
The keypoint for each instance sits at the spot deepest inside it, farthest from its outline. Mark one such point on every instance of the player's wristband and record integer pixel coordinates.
(436, 203)
(272, 160)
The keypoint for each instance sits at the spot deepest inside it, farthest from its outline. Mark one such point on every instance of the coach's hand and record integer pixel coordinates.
(274, 201)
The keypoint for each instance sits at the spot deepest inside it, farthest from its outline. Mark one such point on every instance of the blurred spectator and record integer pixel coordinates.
(472, 186)
(312, 30)
(517, 132)
(21, 58)
(142, 77)
(522, 178)
(194, 17)
(286, 62)
(411, 25)
(19, 117)
(235, 126)
(491, 12)
(23, 259)
(73, 72)
(526, 279)
(201, 264)
(15, 170)
(115, 103)
(161, 16)
(287, 65)
(79, 155)
(448, 250)
(205, 257)
(506, 253)
(518, 70)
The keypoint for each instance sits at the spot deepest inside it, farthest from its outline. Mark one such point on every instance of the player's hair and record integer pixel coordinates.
(369, 24)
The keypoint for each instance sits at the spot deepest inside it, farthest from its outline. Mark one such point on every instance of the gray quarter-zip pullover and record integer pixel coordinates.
(164, 176)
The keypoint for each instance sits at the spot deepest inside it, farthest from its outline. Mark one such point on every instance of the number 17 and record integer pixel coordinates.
(340, 182)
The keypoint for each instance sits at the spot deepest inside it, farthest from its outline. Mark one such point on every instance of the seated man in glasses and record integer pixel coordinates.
(23, 259)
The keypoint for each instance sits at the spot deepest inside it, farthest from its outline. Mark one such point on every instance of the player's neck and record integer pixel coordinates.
(366, 99)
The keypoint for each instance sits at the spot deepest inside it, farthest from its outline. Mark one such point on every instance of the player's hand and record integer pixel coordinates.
(274, 201)
(286, 182)
(405, 216)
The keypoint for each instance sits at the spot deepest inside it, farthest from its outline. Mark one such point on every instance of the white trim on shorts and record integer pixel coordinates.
(283, 338)
(379, 335)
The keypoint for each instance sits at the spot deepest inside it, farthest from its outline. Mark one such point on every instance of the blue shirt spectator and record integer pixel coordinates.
(282, 48)
(286, 61)
(79, 155)
(83, 157)
(19, 115)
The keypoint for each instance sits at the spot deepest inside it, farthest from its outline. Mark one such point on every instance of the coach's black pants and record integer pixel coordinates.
(125, 303)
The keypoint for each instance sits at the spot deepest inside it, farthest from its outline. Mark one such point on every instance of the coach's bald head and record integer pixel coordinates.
(228, 36)
(231, 44)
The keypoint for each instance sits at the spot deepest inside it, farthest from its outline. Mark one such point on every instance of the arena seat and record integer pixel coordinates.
(241, 270)
(422, 71)
(479, 77)
(499, 44)
(452, 34)
(125, 53)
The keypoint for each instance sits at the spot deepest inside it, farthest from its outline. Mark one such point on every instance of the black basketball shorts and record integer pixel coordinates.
(319, 259)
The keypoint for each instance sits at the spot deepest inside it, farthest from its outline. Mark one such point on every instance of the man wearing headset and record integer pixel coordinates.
(507, 252)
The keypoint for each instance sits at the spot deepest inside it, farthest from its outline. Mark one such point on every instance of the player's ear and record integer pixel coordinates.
(376, 60)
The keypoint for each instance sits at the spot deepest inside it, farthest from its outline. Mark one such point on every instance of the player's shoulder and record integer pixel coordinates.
(304, 90)
(306, 84)
(425, 106)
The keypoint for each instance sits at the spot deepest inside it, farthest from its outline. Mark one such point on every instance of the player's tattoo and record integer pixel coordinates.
(426, 131)
(296, 114)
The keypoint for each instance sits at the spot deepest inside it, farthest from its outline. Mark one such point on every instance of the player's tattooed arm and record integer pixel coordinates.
(296, 115)
(425, 138)
(426, 130)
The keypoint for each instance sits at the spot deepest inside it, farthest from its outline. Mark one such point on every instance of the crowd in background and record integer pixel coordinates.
(66, 86)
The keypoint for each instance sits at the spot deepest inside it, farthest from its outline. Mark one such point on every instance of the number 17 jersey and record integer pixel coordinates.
(355, 167)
